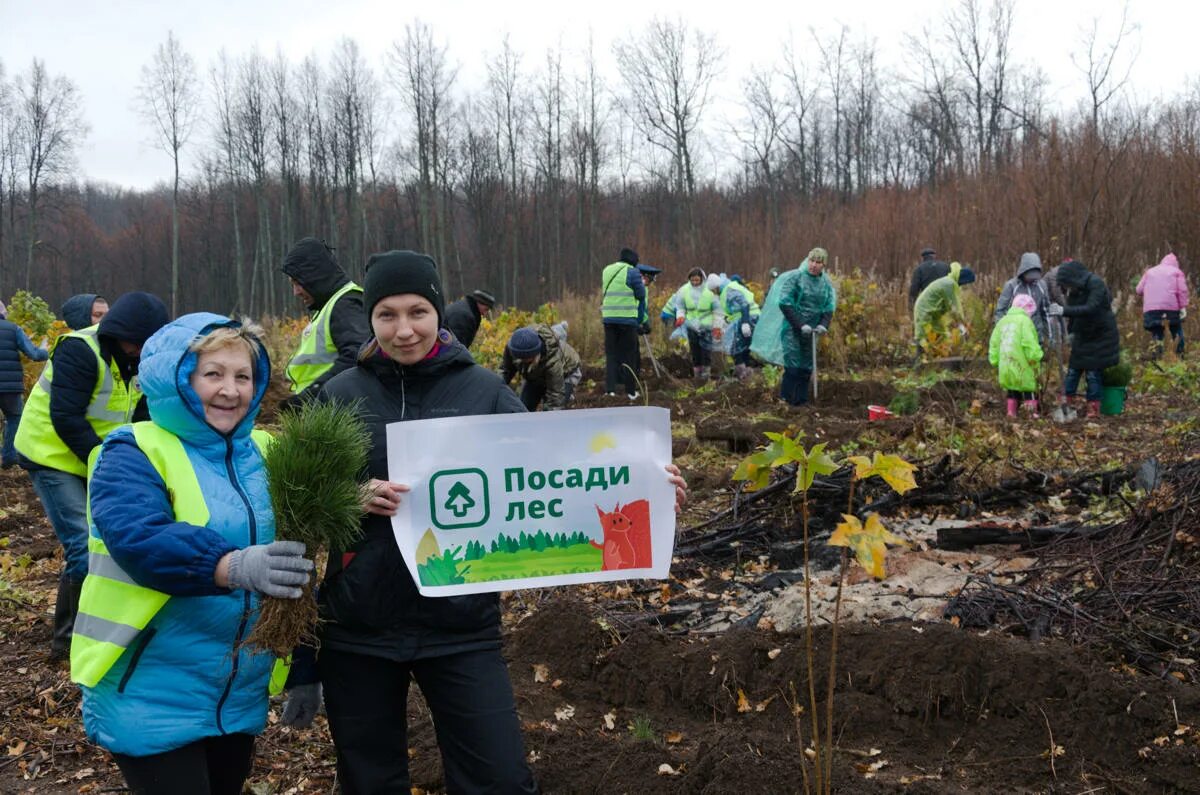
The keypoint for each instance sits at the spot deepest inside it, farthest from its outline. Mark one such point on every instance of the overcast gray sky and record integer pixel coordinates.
(102, 46)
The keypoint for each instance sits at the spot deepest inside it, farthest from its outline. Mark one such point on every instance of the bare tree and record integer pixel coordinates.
(801, 125)
(760, 133)
(49, 126)
(588, 153)
(507, 105)
(168, 99)
(1103, 83)
(668, 72)
(423, 78)
(981, 46)
(228, 134)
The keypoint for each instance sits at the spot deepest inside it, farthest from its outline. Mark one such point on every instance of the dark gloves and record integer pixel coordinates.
(644, 328)
(291, 403)
(303, 703)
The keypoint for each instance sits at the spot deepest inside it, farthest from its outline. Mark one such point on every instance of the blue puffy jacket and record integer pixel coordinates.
(13, 343)
(182, 680)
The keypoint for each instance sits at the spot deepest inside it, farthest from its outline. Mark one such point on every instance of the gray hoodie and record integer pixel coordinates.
(1015, 286)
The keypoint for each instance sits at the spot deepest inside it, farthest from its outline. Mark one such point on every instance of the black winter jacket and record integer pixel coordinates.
(311, 264)
(925, 274)
(1095, 342)
(368, 599)
(14, 343)
(462, 318)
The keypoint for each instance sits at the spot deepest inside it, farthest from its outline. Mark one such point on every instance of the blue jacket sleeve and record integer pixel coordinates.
(633, 279)
(133, 515)
(32, 352)
(71, 387)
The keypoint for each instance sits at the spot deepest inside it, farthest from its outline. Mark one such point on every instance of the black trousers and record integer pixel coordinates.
(212, 766)
(621, 357)
(474, 715)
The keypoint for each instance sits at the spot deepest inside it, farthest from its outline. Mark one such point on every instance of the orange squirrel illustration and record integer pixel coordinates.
(626, 536)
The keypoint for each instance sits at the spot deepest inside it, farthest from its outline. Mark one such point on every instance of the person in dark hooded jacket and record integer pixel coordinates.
(88, 389)
(378, 633)
(928, 270)
(83, 310)
(464, 315)
(1095, 341)
(1028, 281)
(338, 327)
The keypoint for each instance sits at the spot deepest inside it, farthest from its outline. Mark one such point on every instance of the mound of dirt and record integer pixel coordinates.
(947, 710)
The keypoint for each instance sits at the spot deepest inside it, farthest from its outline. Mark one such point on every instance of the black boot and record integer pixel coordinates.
(66, 606)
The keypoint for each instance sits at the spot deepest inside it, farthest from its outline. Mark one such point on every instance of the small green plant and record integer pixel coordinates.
(31, 313)
(443, 569)
(905, 403)
(641, 729)
(772, 375)
(1119, 374)
(867, 540)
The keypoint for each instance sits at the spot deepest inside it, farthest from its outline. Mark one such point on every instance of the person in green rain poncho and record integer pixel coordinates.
(940, 304)
(801, 303)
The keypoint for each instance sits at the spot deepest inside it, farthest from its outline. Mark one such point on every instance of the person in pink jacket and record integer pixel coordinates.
(1164, 293)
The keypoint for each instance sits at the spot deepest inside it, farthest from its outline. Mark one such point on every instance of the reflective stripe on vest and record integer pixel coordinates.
(111, 406)
(317, 351)
(699, 312)
(113, 609)
(618, 300)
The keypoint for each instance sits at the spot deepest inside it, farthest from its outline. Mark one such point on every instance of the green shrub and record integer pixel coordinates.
(1120, 374)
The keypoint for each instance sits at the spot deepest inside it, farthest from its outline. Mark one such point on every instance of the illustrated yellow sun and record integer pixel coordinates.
(603, 441)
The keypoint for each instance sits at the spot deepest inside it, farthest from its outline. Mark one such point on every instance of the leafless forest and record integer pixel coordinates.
(531, 182)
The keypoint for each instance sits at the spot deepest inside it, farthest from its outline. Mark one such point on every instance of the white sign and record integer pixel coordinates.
(512, 501)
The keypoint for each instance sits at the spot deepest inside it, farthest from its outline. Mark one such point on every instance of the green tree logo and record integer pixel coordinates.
(458, 499)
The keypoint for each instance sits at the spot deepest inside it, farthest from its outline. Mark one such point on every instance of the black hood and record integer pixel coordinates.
(311, 264)
(77, 310)
(134, 317)
(1073, 274)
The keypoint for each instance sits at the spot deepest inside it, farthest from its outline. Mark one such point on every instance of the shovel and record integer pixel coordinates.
(1062, 412)
(650, 353)
(814, 336)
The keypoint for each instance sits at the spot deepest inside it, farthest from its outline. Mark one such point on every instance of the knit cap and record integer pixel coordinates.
(525, 343)
(401, 273)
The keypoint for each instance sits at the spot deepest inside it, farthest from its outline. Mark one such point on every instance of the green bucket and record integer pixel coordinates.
(1112, 400)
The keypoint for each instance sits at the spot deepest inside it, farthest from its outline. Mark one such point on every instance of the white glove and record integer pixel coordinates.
(1182, 313)
(746, 330)
(806, 329)
(962, 329)
(1055, 310)
(821, 330)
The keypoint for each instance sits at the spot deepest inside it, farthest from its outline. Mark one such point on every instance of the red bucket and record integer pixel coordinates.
(878, 413)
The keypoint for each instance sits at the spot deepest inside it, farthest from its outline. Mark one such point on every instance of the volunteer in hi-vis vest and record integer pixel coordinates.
(181, 546)
(338, 327)
(87, 389)
(623, 313)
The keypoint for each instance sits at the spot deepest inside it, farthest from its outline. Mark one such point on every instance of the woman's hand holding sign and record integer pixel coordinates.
(676, 480)
(384, 497)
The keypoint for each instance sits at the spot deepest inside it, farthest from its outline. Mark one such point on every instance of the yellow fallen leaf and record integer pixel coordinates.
(673, 737)
(773, 653)
(743, 702)
(610, 720)
(541, 672)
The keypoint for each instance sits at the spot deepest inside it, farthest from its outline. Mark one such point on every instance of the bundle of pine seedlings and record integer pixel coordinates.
(313, 468)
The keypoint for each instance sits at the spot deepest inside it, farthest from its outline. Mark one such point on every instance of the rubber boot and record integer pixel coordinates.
(1093, 409)
(1032, 407)
(1011, 408)
(66, 607)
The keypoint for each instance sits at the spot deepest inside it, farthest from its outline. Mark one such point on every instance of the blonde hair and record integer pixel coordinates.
(248, 335)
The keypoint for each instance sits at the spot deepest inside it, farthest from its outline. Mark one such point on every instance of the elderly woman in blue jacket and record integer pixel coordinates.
(181, 545)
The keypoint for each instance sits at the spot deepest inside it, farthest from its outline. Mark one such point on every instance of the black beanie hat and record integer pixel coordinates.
(629, 256)
(400, 272)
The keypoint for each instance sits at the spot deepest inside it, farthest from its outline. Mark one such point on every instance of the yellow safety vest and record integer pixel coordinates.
(618, 300)
(113, 609)
(755, 311)
(317, 352)
(699, 312)
(111, 406)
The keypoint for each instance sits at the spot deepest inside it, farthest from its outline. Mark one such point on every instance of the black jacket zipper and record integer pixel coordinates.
(241, 630)
(143, 642)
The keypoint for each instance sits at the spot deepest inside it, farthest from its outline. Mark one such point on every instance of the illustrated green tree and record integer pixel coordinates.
(458, 500)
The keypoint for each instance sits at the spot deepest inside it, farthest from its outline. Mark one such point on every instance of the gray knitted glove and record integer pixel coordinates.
(277, 569)
(303, 703)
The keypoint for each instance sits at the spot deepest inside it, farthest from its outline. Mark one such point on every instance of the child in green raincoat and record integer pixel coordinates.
(1015, 351)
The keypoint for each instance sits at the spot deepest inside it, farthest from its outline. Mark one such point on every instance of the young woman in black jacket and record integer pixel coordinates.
(379, 631)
